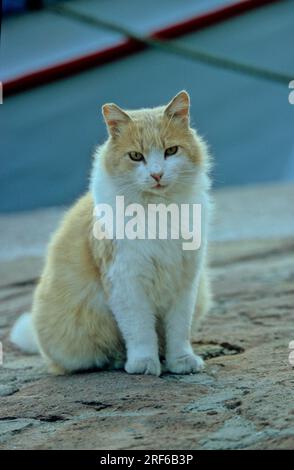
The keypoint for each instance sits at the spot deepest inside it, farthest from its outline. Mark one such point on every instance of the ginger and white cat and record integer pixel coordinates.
(127, 303)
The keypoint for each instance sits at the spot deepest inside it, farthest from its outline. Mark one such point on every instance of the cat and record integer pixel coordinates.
(121, 303)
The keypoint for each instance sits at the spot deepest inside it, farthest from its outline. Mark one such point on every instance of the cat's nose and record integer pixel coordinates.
(157, 176)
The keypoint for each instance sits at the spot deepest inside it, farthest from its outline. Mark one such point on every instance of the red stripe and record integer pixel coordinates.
(209, 18)
(70, 67)
(125, 47)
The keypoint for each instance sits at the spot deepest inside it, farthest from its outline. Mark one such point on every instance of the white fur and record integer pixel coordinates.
(22, 334)
(154, 279)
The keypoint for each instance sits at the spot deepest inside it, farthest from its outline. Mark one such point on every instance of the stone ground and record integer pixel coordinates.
(244, 399)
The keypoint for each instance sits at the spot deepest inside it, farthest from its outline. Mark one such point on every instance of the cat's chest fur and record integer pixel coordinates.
(160, 266)
(158, 269)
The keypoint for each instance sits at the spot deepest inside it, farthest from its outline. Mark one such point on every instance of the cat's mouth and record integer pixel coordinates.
(159, 186)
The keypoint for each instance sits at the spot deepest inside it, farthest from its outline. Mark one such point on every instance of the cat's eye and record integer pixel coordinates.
(136, 156)
(171, 151)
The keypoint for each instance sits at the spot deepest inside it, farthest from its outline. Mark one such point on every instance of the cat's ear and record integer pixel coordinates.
(115, 118)
(179, 107)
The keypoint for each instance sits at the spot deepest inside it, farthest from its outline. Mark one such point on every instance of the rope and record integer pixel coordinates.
(175, 48)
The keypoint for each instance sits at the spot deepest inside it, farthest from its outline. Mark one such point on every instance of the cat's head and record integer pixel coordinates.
(153, 150)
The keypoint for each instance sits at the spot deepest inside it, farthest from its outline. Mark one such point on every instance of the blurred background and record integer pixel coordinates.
(60, 61)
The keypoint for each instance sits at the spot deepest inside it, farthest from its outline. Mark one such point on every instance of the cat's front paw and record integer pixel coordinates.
(186, 364)
(143, 365)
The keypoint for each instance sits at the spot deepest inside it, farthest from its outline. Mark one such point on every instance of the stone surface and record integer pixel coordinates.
(243, 400)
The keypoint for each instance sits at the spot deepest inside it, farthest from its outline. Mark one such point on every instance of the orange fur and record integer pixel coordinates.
(64, 309)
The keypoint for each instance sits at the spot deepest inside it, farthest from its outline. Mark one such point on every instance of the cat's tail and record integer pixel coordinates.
(23, 335)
